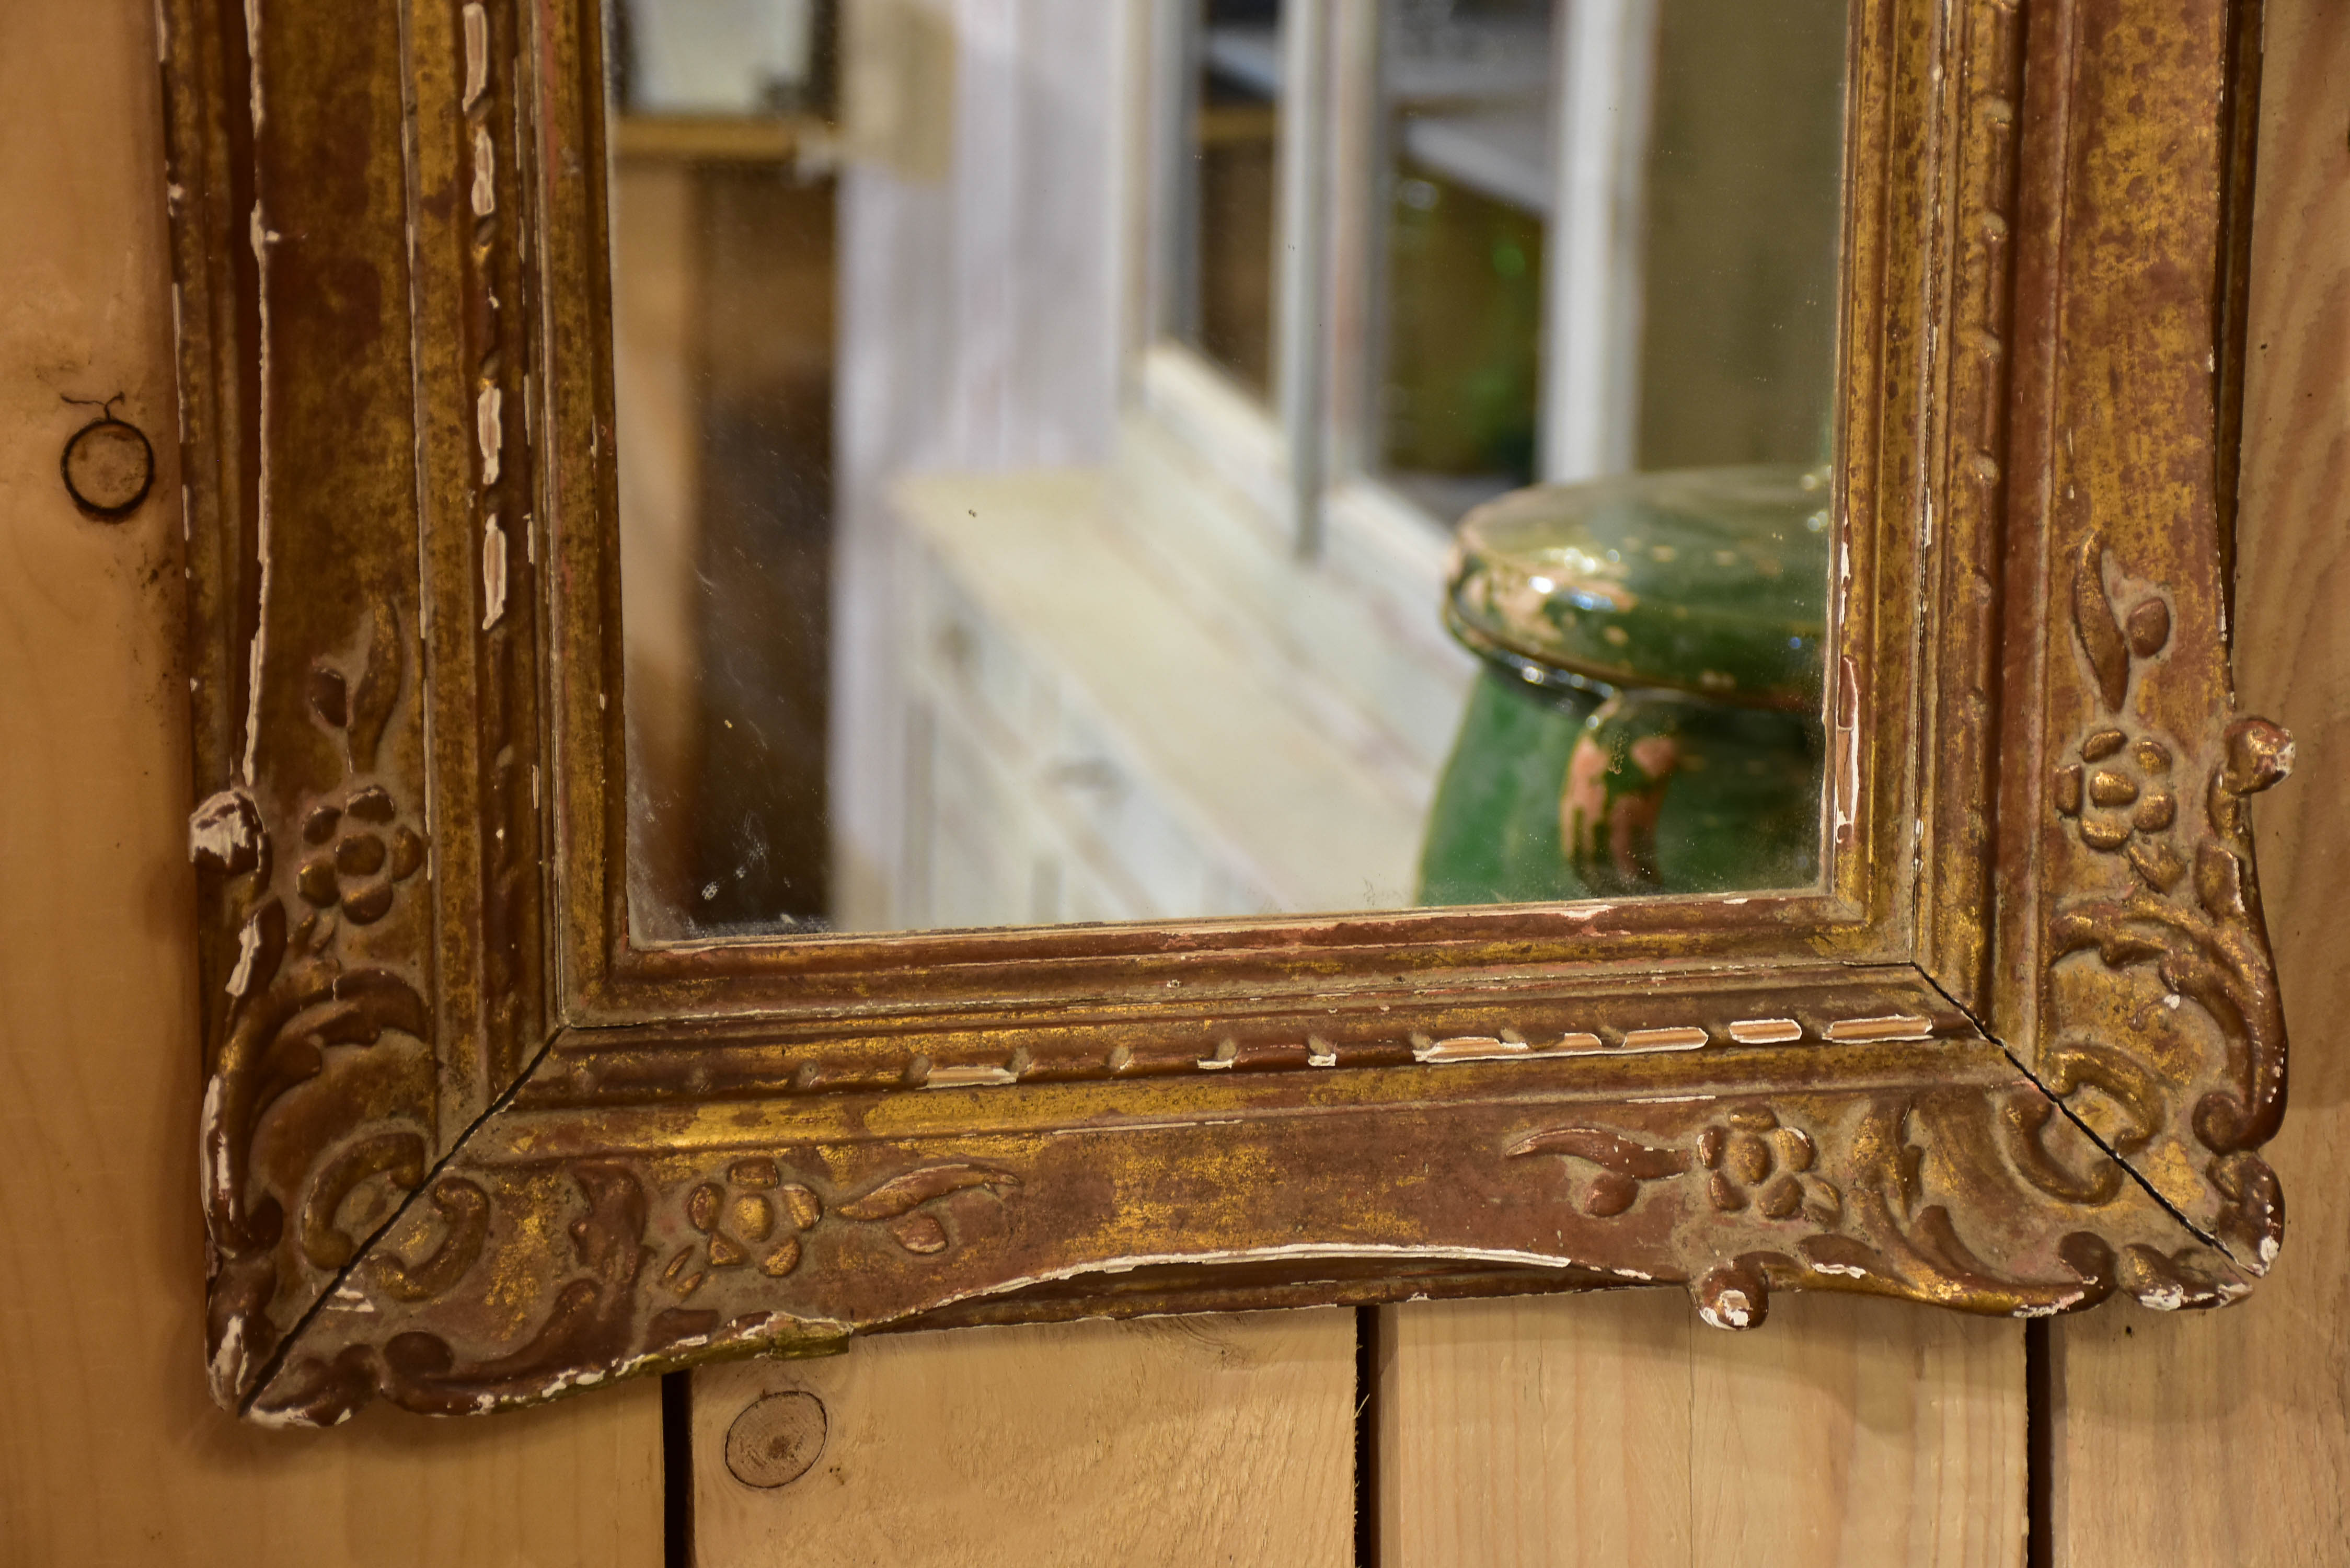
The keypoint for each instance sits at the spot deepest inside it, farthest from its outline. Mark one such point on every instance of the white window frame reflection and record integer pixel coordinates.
(1012, 371)
(1309, 458)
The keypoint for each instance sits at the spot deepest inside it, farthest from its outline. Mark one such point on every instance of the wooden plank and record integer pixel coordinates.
(2225, 1438)
(1176, 1441)
(110, 1449)
(1618, 1429)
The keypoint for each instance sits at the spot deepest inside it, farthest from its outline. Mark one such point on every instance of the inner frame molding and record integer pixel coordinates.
(467, 1147)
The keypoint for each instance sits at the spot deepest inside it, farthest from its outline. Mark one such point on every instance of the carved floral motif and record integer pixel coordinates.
(754, 1217)
(2191, 913)
(293, 996)
(1756, 1160)
(740, 1221)
(610, 1312)
(1749, 1159)
(1878, 1227)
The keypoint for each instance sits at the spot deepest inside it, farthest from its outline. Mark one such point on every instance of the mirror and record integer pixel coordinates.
(1220, 457)
(971, 580)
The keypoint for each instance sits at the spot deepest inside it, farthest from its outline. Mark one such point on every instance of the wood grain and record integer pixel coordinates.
(2225, 1438)
(1177, 1441)
(110, 1449)
(1618, 1430)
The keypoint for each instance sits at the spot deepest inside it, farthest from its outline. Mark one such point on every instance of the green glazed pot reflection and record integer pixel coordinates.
(1646, 722)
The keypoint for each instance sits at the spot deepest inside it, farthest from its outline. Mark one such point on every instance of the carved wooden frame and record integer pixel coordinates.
(466, 1147)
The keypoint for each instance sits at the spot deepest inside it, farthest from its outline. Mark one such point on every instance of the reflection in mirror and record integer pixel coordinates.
(723, 257)
(1220, 281)
(1466, 105)
(960, 505)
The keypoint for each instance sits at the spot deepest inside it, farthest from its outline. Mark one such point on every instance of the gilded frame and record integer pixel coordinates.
(467, 1147)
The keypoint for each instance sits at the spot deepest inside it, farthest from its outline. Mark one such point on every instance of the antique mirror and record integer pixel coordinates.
(863, 667)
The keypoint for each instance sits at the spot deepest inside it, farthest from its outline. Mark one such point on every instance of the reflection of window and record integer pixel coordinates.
(1743, 205)
(1464, 96)
(718, 57)
(1221, 280)
(1172, 336)
(1522, 239)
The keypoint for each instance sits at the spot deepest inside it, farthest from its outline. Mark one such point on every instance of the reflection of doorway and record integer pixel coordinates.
(722, 236)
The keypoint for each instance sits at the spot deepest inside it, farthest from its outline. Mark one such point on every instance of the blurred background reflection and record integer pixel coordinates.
(1046, 429)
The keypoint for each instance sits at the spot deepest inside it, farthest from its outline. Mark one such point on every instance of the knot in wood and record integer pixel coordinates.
(108, 468)
(777, 1439)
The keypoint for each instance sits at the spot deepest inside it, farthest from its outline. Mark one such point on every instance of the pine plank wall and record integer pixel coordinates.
(1607, 1430)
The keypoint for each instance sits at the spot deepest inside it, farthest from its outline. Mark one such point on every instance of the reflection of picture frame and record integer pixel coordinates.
(466, 1147)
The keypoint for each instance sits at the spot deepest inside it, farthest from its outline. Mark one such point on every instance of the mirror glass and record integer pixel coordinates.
(1136, 461)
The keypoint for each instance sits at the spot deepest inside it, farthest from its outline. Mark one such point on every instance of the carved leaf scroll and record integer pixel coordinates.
(1867, 1203)
(590, 1323)
(294, 997)
(753, 1214)
(1624, 1164)
(619, 1303)
(2189, 913)
(464, 1210)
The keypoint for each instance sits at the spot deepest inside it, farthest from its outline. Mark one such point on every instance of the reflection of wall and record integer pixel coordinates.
(654, 267)
(1096, 694)
(897, 86)
(980, 328)
(724, 324)
(762, 838)
(1743, 205)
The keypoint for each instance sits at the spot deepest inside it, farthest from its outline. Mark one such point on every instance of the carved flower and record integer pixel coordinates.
(359, 854)
(356, 853)
(756, 1215)
(1754, 1160)
(2121, 801)
(753, 1214)
(2119, 797)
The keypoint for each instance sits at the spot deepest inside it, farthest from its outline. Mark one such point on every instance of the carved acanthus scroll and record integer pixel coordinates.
(1867, 1198)
(658, 1269)
(296, 1001)
(2189, 913)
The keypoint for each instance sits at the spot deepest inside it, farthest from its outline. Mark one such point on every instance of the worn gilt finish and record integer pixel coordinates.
(466, 1147)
